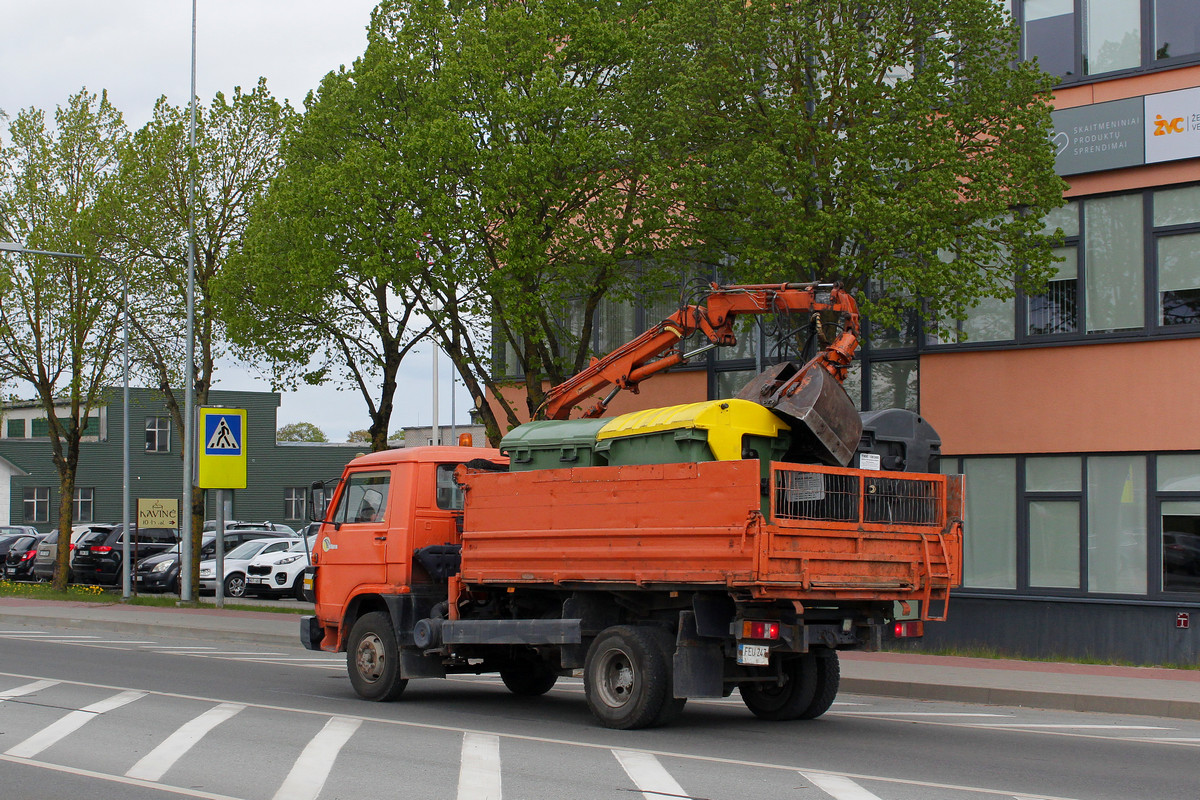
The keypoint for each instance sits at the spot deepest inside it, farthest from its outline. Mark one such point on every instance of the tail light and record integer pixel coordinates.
(909, 629)
(760, 630)
(29, 554)
(101, 548)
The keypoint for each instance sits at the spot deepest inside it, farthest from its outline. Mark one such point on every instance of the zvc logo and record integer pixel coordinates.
(1164, 126)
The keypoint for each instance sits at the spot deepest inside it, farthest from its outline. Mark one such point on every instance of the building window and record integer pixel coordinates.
(15, 428)
(1114, 261)
(1049, 34)
(295, 502)
(1177, 255)
(1112, 33)
(990, 546)
(1052, 488)
(1117, 34)
(1056, 310)
(41, 428)
(37, 503)
(82, 505)
(158, 434)
(1176, 28)
(1116, 535)
(1179, 519)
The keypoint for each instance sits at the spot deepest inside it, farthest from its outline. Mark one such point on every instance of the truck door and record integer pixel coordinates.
(353, 550)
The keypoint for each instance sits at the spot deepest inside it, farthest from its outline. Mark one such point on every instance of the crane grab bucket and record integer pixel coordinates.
(825, 424)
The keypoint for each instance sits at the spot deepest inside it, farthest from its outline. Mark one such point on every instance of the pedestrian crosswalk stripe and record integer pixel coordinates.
(65, 726)
(650, 777)
(479, 767)
(154, 764)
(312, 768)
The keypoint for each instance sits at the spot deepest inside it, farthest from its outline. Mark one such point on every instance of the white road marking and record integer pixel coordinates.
(56, 731)
(311, 769)
(479, 770)
(914, 714)
(1071, 726)
(155, 764)
(838, 786)
(649, 775)
(29, 688)
(177, 647)
(180, 791)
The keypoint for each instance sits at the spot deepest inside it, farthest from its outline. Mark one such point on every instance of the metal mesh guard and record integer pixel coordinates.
(835, 497)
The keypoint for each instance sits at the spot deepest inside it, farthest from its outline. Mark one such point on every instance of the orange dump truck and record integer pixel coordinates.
(666, 558)
(666, 554)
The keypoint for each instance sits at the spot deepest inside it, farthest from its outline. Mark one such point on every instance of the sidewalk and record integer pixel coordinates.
(1074, 687)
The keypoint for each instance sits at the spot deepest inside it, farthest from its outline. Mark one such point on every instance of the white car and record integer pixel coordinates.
(236, 561)
(279, 573)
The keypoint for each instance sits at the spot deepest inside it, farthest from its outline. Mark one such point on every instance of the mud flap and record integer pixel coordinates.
(698, 664)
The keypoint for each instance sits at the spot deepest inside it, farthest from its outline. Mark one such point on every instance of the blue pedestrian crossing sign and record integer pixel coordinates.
(221, 457)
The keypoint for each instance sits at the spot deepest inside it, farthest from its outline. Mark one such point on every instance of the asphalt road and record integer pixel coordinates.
(119, 715)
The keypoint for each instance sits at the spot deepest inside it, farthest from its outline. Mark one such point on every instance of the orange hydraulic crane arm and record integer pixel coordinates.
(638, 359)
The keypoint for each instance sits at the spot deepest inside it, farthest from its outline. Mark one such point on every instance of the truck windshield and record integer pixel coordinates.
(364, 498)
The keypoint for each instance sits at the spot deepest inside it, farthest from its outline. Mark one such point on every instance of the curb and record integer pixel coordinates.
(1029, 698)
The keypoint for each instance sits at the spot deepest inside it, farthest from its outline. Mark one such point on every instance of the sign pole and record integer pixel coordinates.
(219, 571)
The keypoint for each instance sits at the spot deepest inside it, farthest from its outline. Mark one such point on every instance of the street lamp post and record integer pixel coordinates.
(13, 247)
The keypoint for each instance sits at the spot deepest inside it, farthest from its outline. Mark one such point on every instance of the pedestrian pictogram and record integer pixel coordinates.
(223, 437)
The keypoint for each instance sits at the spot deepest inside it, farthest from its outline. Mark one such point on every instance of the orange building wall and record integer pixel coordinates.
(1091, 398)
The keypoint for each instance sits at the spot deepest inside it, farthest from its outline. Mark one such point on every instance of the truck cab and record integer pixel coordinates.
(391, 511)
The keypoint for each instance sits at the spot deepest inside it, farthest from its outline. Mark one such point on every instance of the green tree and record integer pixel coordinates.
(300, 432)
(898, 148)
(59, 316)
(489, 165)
(324, 283)
(363, 435)
(147, 211)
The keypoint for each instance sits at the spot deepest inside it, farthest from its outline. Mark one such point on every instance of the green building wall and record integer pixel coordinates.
(271, 467)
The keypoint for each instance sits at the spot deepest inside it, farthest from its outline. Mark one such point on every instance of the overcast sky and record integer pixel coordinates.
(140, 50)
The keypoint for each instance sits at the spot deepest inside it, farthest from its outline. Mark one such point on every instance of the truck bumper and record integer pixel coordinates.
(311, 633)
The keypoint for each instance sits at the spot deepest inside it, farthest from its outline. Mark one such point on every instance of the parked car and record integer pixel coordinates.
(279, 573)
(6, 541)
(14, 530)
(235, 563)
(97, 557)
(18, 564)
(47, 553)
(237, 524)
(160, 572)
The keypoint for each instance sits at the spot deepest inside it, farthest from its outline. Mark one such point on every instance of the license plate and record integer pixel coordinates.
(254, 580)
(757, 655)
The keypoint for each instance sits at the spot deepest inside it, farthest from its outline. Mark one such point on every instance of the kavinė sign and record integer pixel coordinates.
(158, 513)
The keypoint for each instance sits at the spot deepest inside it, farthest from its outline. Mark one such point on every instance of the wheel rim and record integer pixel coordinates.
(370, 658)
(235, 587)
(618, 679)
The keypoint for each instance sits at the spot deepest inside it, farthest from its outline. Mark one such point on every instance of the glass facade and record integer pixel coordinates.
(1083, 525)
(1079, 39)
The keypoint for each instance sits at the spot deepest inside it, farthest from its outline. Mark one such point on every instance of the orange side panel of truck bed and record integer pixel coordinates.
(833, 534)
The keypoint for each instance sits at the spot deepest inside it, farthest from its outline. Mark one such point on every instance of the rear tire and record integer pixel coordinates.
(528, 676)
(790, 700)
(829, 677)
(298, 587)
(373, 658)
(627, 678)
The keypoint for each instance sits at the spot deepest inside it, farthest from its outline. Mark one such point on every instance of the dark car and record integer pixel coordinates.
(160, 573)
(97, 557)
(6, 540)
(12, 530)
(18, 564)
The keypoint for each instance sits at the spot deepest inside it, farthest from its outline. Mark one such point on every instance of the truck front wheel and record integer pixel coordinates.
(627, 678)
(373, 658)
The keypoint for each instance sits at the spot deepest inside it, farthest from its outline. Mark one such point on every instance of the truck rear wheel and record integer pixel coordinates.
(373, 658)
(528, 676)
(627, 678)
(789, 700)
(829, 677)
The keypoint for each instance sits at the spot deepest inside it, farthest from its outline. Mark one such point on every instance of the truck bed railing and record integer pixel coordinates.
(813, 493)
